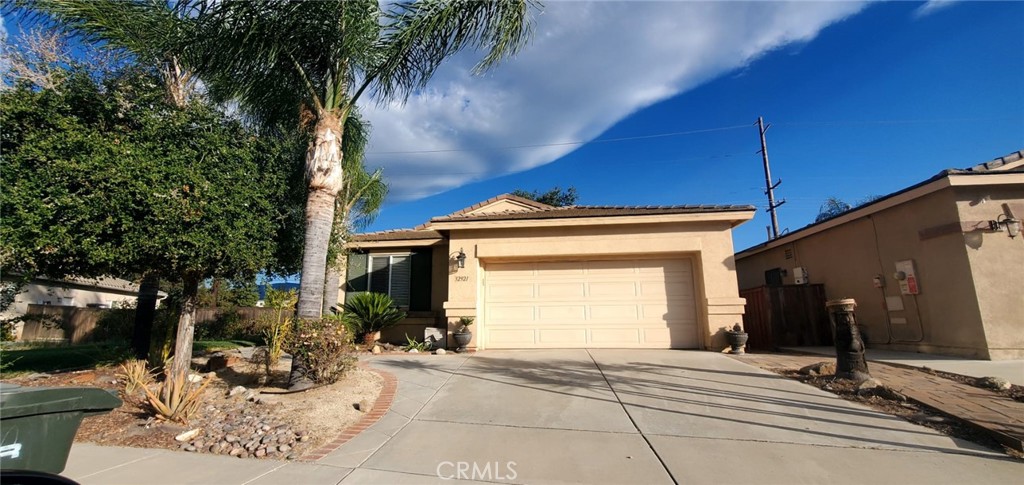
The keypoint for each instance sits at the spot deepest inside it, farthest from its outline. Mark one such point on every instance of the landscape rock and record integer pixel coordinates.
(236, 391)
(819, 369)
(217, 361)
(362, 406)
(195, 378)
(376, 349)
(236, 452)
(868, 386)
(996, 383)
(440, 352)
(284, 448)
(188, 435)
(414, 351)
(926, 418)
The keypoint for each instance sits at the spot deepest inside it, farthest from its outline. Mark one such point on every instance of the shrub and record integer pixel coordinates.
(178, 398)
(135, 375)
(325, 346)
(367, 313)
(115, 325)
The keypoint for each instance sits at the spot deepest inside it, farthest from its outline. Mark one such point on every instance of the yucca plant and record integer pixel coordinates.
(178, 398)
(369, 313)
(136, 375)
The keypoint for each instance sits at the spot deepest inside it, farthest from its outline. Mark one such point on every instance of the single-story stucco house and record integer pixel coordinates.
(937, 267)
(537, 276)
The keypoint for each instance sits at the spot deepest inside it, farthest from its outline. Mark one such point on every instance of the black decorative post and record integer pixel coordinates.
(850, 362)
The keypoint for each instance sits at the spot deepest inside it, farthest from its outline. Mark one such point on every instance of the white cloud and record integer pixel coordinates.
(589, 66)
(932, 6)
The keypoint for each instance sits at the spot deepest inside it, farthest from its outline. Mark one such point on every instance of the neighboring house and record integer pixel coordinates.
(934, 267)
(74, 292)
(536, 276)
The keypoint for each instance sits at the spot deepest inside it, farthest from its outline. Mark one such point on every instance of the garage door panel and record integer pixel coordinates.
(617, 289)
(561, 291)
(615, 336)
(522, 338)
(626, 312)
(643, 303)
(562, 337)
(658, 336)
(512, 315)
(560, 313)
(507, 291)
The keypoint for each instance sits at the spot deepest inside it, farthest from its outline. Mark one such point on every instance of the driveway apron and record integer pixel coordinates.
(638, 416)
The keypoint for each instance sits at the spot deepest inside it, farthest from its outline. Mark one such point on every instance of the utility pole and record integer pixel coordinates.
(769, 187)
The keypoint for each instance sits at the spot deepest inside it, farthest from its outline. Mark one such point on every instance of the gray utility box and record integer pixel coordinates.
(38, 424)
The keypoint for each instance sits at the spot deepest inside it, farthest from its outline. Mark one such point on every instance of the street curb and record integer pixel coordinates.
(380, 408)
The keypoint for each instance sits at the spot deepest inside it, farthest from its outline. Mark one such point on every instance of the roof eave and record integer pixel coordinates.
(734, 217)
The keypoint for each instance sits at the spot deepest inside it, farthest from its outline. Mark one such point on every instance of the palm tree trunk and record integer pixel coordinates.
(323, 170)
(186, 327)
(332, 284)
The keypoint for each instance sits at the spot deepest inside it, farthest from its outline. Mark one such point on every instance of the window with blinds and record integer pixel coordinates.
(391, 274)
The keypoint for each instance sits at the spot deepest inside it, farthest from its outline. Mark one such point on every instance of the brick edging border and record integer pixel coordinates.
(380, 407)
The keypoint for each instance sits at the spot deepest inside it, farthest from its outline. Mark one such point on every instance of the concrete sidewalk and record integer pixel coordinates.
(597, 416)
(1011, 370)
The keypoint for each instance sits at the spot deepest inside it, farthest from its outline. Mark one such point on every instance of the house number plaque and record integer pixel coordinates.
(462, 278)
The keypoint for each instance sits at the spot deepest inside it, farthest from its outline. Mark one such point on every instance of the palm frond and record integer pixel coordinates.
(420, 35)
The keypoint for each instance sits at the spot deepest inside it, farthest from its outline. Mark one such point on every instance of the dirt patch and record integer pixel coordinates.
(247, 424)
(917, 414)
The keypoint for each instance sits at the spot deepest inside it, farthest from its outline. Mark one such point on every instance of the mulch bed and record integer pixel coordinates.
(921, 415)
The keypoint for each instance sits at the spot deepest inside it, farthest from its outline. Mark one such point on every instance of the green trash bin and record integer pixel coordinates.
(38, 424)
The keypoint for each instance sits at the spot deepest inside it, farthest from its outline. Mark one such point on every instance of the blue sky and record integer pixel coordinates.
(864, 99)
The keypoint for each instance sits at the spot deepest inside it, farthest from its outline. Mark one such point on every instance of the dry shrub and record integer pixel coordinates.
(325, 346)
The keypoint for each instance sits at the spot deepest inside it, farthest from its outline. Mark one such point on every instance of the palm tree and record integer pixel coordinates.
(314, 61)
(304, 62)
(358, 203)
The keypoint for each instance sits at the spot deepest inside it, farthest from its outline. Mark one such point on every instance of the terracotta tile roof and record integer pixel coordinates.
(396, 235)
(997, 164)
(521, 200)
(594, 211)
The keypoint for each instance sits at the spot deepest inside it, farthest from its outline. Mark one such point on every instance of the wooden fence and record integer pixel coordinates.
(786, 316)
(76, 325)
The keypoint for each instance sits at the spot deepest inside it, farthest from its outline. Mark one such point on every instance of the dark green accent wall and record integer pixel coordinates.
(419, 299)
(356, 275)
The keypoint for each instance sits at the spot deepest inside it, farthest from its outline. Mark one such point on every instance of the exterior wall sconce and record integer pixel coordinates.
(461, 258)
(1012, 225)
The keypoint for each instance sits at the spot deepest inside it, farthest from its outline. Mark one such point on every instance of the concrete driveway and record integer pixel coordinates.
(598, 416)
(625, 416)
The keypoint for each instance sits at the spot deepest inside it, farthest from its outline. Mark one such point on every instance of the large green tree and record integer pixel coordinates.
(106, 179)
(554, 197)
(309, 63)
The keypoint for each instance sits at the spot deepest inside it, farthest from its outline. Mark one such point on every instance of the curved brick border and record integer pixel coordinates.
(380, 407)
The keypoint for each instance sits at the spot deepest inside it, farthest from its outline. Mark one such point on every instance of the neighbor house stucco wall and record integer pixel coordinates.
(64, 294)
(707, 243)
(950, 315)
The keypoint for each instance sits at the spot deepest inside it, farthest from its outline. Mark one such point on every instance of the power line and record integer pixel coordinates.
(694, 132)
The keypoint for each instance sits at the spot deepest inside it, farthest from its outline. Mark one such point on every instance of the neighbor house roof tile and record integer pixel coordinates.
(594, 211)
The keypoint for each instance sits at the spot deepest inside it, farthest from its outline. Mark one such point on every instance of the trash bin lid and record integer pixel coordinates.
(18, 401)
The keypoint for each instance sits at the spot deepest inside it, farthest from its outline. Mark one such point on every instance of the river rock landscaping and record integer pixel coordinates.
(235, 419)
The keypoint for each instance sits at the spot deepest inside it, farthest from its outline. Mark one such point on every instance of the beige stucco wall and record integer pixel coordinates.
(947, 315)
(708, 244)
(38, 293)
(997, 265)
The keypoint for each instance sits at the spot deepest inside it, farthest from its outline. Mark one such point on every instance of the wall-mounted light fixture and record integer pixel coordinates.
(1012, 225)
(461, 258)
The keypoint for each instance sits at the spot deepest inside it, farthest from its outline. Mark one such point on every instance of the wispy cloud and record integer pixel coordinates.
(589, 66)
(932, 6)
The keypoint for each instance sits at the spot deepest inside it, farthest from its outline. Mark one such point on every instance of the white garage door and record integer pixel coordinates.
(643, 303)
